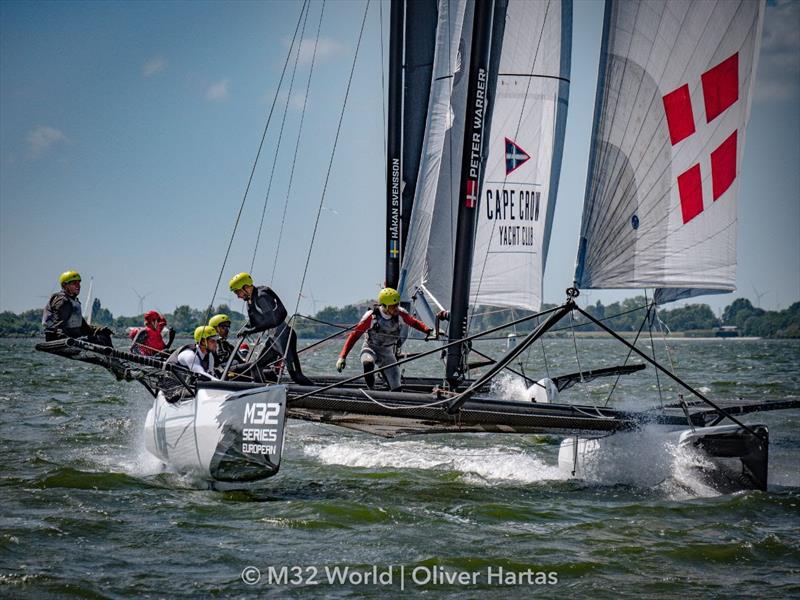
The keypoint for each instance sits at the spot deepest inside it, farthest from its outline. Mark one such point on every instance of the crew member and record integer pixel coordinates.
(63, 317)
(198, 357)
(148, 340)
(222, 323)
(382, 326)
(266, 311)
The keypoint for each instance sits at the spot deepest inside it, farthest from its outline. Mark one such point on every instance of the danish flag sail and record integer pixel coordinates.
(673, 99)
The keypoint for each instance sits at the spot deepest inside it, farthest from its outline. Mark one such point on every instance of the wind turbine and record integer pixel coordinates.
(758, 296)
(313, 301)
(141, 300)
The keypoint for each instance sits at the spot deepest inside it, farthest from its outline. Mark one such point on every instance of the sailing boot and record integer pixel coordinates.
(369, 376)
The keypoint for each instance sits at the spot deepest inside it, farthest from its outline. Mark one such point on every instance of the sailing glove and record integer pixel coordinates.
(341, 364)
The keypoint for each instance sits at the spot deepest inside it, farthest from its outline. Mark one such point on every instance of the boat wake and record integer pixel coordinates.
(475, 465)
(649, 458)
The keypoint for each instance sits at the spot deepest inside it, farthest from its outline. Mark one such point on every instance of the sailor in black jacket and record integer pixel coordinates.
(62, 317)
(266, 311)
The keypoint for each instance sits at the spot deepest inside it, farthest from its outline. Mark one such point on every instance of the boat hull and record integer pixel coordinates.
(727, 458)
(222, 436)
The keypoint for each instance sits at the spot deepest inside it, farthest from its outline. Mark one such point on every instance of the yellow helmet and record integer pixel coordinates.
(237, 282)
(69, 277)
(218, 320)
(388, 297)
(204, 332)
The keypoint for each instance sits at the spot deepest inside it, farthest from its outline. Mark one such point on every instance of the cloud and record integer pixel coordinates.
(154, 65)
(779, 66)
(41, 139)
(327, 49)
(218, 91)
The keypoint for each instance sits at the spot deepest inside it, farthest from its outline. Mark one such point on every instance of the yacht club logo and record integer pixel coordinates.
(515, 156)
(720, 86)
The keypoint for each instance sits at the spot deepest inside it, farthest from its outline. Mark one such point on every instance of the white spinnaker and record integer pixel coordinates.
(673, 100)
(428, 255)
(515, 212)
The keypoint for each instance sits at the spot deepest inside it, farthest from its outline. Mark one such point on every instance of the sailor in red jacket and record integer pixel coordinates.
(147, 340)
(382, 326)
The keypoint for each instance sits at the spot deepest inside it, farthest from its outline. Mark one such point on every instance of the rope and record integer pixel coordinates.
(280, 135)
(330, 163)
(297, 144)
(252, 173)
(401, 407)
(653, 348)
(578, 359)
(625, 362)
(339, 325)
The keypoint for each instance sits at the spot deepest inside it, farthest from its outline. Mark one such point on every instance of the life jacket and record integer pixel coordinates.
(205, 361)
(384, 331)
(152, 343)
(224, 351)
(73, 324)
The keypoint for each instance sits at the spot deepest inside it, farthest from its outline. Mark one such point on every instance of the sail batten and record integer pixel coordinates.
(673, 100)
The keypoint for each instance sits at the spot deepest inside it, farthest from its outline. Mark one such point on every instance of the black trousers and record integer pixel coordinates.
(273, 352)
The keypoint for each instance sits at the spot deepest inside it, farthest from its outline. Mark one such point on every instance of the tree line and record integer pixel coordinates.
(626, 315)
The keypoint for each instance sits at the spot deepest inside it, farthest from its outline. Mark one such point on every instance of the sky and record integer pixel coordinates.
(128, 133)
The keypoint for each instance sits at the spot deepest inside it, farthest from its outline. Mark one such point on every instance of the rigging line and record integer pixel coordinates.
(333, 155)
(280, 132)
(516, 135)
(383, 86)
(577, 358)
(720, 411)
(653, 348)
(625, 362)
(578, 326)
(297, 144)
(252, 173)
(423, 354)
(404, 407)
(339, 325)
(664, 338)
(326, 339)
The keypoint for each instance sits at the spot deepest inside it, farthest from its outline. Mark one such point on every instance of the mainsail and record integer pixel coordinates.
(428, 256)
(673, 100)
(529, 87)
(526, 142)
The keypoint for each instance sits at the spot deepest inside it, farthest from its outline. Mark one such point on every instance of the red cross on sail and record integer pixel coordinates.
(673, 99)
(720, 87)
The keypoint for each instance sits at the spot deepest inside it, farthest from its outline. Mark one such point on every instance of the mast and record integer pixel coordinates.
(420, 47)
(469, 188)
(394, 143)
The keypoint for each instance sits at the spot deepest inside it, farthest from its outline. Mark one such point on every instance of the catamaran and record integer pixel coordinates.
(478, 95)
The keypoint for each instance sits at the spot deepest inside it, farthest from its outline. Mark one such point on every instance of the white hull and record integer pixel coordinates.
(232, 437)
(727, 457)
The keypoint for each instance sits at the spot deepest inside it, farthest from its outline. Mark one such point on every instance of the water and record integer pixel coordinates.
(86, 512)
